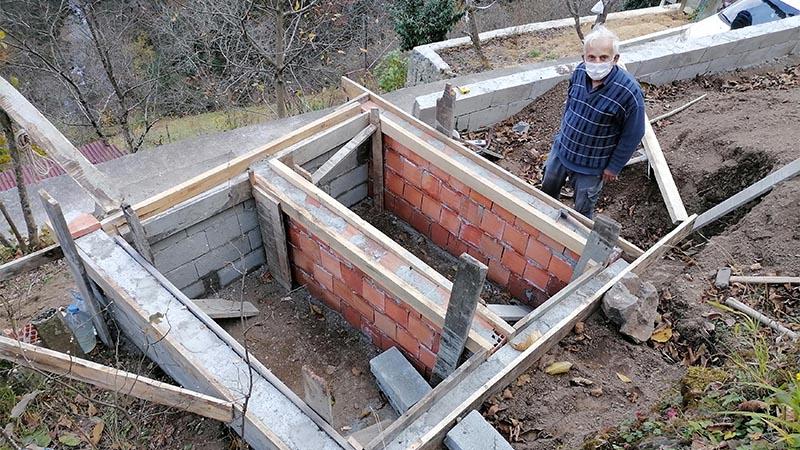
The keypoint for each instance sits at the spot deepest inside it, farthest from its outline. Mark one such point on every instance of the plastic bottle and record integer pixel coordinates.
(80, 323)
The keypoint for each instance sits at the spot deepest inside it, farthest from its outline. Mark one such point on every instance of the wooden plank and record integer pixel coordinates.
(464, 296)
(390, 281)
(237, 347)
(749, 194)
(377, 236)
(140, 241)
(317, 393)
(218, 308)
(510, 313)
(376, 162)
(445, 105)
(224, 172)
(324, 141)
(181, 363)
(30, 262)
(354, 89)
(303, 172)
(433, 437)
(666, 184)
(76, 268)
(322, 175)
(115, 380)
(58, 147)
(764, 279)
(537, 219)
(273, 234)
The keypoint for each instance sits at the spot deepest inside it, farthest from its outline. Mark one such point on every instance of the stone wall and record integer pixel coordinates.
(208, 241)
(666, 60)
(459, 219)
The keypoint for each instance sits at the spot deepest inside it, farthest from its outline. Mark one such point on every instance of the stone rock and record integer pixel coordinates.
(521, 127)
(632, 304)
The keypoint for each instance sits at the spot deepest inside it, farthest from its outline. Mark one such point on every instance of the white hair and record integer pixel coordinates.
(601, 33)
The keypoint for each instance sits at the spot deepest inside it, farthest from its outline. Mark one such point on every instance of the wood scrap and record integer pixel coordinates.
(755, 315)
(218, 308)
(677, 110)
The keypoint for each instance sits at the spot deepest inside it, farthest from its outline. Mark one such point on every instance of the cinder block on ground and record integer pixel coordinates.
(398, 379)
(475, 433)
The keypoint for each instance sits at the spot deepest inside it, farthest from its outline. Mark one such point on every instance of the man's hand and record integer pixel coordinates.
(609, 176)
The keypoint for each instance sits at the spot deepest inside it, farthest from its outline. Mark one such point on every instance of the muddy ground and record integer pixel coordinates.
(550, 44)
(744, 129)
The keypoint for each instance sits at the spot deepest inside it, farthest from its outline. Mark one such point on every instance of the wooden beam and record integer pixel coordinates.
(58, 147)
(322, 175)
(376, 162)
(390, 281)
(224, 172)
(61, 230)
(218, 308)
(445, 105)
(30, 262)
(749, 194)
(354, 89)
(115, 380)
(140, 241)
(273, 234)
(461, 307)
(324, 141)
(374, 234)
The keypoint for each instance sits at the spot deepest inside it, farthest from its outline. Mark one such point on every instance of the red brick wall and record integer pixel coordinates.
(531, 265)
(385, 320)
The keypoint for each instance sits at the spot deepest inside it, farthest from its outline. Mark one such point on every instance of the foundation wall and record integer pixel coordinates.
(348, 183)
(669, 59)
(385, 320)
(458, 219)
(208, 241)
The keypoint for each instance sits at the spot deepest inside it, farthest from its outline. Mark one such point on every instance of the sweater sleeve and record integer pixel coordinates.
(632, 133)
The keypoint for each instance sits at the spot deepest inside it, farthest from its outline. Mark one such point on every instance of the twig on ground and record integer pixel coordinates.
(676, 110)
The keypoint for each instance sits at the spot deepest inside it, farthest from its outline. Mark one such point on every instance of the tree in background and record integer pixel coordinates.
(469, 9)
(32, 244)
(607, 5)
(419, 22)
(572, 5)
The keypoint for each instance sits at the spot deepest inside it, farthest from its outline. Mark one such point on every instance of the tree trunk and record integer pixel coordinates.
(474, 35)
(280, 59)
(574, 12)
(30, 223)
(601, 18)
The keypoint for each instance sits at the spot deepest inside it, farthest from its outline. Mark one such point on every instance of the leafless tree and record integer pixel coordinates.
(601, 18)
(572, 5)
(6, 126)
(470, 8)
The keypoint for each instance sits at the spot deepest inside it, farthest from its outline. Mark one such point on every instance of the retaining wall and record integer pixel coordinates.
(348, 182)
(425, 65)
(459, 219)
(666, 60)
(208, 241)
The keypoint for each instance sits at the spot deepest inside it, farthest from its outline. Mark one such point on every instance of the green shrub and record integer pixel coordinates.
(391, 72)
(636, 4)
(419, 22)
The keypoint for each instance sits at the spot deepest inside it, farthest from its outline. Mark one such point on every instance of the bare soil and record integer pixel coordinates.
(550, 44)
(744, 129)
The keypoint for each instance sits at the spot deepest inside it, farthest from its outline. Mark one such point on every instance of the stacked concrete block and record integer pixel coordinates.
(208, 241)
(475, 433)
(459, 219)
(348, 182)
(398, 380)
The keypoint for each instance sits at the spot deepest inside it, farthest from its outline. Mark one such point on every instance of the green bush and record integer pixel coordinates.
(636, 4)
(419, 22)
(391, 72)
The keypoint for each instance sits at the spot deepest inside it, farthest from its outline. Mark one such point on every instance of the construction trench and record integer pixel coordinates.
(329, 208)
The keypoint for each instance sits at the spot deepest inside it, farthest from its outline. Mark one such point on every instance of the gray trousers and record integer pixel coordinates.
(587, 187)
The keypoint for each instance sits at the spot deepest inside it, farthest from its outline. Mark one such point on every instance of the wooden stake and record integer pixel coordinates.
(317, 394)
(464, 297)
(445, 105)
(377, 159)
(115, 380)
(273, 235)
(61, 230)
(137, 232)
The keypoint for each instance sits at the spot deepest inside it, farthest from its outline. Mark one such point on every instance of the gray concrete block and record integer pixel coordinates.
(254, 236)
(349, 180)
(183, 276)
(222, 255)
(220, 229)
(157, 246)
(692, 70)
(719, 50)
(654, 64)
(515, 107)
(511, 94)
(239, 267)
(763, 55)
(181, 252)
(661, 77)
(750, 43)
(248, 219)
(687, 57)
(475, 433)
(486, 117)
(194, 290)
(723, 64)
(462, 122)
(354, 195)
(398, 379)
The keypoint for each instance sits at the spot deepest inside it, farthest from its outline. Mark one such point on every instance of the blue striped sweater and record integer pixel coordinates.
(602, 127)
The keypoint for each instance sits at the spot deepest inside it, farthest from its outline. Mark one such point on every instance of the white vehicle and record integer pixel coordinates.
(744, 13)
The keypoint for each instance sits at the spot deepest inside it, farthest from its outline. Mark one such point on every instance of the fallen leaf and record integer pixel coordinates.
(155, 318)
(662, 335)
(316, 310)
(356, 371)
(494, 409)
(507, 395)
(22, 404)
(91, 411)
(525, 344)
(580, 328)
(523, 379)
(580, 381)
(753, 406)
(755, 266)
(596, 392)
(97, 431)
(69, 439)
(623, 378)
(364, 413)
(557, 368)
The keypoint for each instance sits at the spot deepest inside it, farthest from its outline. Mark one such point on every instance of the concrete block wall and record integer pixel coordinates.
(208, 241)
(672, 58)
(459, 219)
(349, 184)
(385, 320)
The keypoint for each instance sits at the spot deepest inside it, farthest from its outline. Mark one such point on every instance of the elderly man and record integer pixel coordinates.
(602, 125)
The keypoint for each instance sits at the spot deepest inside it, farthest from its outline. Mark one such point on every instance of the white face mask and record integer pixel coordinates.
(598, 71)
